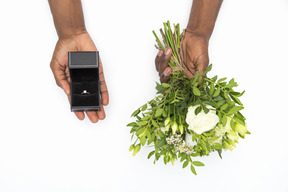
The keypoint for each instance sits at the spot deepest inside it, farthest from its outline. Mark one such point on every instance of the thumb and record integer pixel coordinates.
(65, 86)
(61, 79)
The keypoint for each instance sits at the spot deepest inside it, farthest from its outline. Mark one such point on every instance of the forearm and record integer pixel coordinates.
(203, 16)
(68, 17)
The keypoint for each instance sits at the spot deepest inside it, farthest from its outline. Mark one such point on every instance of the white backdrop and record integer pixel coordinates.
(43, 147)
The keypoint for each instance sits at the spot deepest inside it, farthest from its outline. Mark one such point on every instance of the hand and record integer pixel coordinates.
(59, 67)
(195, 56)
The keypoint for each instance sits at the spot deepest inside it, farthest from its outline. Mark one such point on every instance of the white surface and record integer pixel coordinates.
(43, 147)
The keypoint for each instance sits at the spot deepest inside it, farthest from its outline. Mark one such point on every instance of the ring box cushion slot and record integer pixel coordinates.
(85, 84)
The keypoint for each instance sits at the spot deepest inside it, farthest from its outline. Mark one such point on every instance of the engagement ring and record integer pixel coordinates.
(85, 92)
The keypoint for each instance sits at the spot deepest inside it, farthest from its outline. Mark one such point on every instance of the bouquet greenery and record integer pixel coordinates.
(190, 117)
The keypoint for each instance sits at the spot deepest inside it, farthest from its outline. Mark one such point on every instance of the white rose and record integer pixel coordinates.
(201, 122)
(188, 140)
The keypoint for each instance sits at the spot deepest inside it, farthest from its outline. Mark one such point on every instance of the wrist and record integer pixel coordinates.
(69, 33)
(190, 32)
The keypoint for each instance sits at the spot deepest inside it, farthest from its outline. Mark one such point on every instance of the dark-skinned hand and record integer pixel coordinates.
(59, 67)
(195, 56)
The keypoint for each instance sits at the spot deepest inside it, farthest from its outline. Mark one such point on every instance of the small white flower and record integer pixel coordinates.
(188, 140)
(201, 122)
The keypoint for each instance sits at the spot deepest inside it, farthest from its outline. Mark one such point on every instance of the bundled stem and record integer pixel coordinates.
(172, 40)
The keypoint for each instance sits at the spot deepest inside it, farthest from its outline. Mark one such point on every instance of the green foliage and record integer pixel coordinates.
(169, 108)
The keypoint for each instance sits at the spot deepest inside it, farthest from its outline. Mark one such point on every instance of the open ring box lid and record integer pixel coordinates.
(84, 77)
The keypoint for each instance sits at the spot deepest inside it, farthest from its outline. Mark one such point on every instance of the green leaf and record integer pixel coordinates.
(155, 124)
(144, 107)
(193, 169)
(150, 154)
(232, 124)
(140, 123)
(195, 77)
(236, 99)
(209, 68)
(131, 148)
(212, 88)
(131, 124)
(164, 113)
(224, 120)
(239, 95)
(206, 110)
(166, 85)
(221, 102)
(207, 102)
(218, 146)
(198, 110)
(196, 91)
(162, 152)
(141, 130)
(217, 92)
(195, 154)
(231, 84)
(160, 88)
(145, 118)
(238, 120)
(185, 164)
(197, 163)
(214, 78)
(159, 112)
(160, 143)
(136, 149)
(234, 110)
(183, 158)
(143, 140)
(135, 113)
(220, 153)
(222, 79)
(160, 133)
(224, 107)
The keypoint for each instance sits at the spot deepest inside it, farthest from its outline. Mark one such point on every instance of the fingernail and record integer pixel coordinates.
(160, 53)
(167, 71)
(167, 51)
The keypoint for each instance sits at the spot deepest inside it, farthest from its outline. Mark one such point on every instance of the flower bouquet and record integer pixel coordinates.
(190, 117)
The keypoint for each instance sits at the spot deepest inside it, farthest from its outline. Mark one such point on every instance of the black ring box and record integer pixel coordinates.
(84, 80)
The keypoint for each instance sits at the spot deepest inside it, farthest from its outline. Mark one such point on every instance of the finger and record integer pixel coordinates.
(92, 116)
(103, 87)
(165, 75)
(101, 114)
(157, 59)
(190, 69)
(60, 77)
(164, 60)
(203, 64)
(80, 115)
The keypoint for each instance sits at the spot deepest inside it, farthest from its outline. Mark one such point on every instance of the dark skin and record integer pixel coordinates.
(69, 23)
(201, 23)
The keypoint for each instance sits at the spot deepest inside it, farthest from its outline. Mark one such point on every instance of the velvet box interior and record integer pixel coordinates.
(85, 84)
